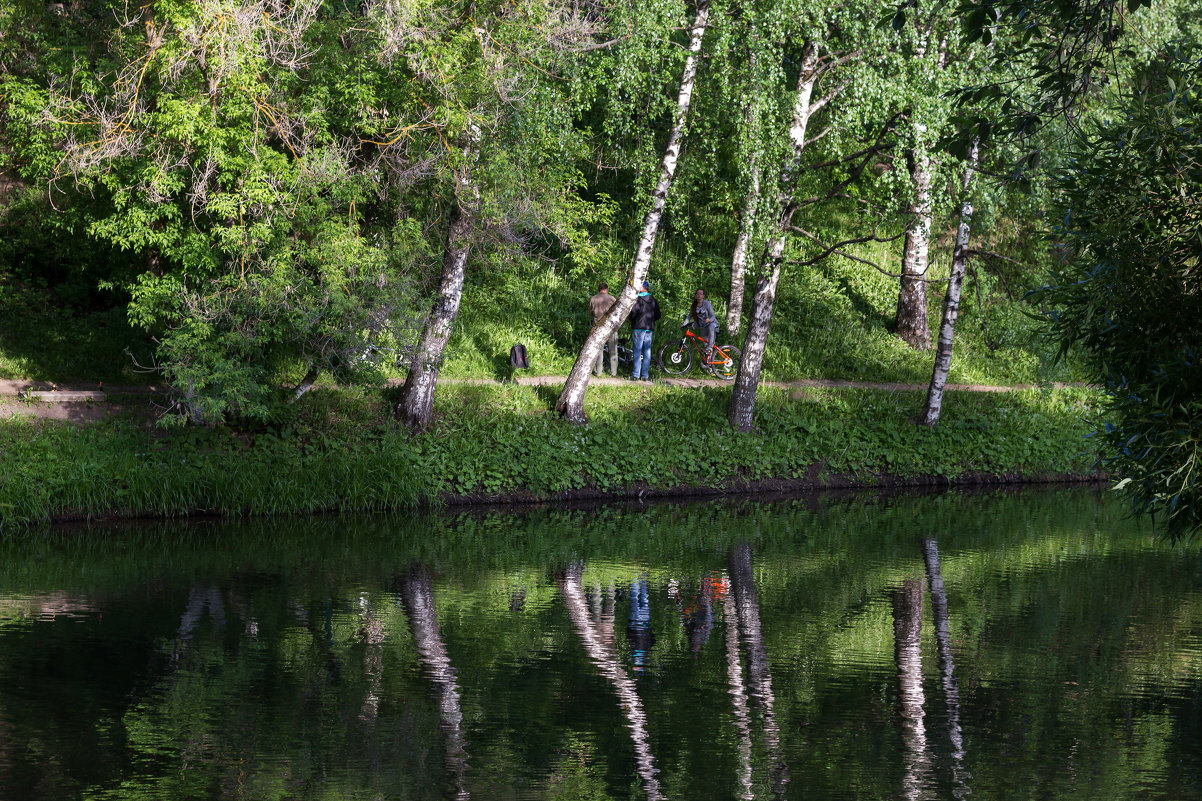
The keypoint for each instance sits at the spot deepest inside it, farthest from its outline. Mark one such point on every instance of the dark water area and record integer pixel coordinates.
(1004, 646)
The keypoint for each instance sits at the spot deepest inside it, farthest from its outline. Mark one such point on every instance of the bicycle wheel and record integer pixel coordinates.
(725, 361)
(675, 358)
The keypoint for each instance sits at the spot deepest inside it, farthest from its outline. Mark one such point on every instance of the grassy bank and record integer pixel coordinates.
(340, 450)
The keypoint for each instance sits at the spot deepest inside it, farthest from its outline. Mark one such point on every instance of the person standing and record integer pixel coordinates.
(642, 321)
(599, 305)
(702, 315)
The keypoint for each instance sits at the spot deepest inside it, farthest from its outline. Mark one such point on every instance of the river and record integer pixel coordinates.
(1025, 645)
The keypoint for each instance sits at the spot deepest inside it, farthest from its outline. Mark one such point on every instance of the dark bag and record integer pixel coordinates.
(518, 358)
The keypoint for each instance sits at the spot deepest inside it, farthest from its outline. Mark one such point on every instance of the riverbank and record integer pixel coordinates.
(339, 450)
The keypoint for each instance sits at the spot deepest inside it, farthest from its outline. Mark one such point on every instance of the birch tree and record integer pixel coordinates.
(951, 300)
(926, 67)
(511, 123)
(742, 401)
(571, 399)
(830, 47)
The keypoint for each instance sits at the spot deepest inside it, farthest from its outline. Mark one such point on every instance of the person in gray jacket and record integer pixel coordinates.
(599, 305)
(702, 315)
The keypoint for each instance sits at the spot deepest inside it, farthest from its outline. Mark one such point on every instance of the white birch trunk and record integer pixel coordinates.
(306, 383)
(738, 259)
(951, 301)
(742, 399)
(571, 399)
(912, 325)
(417, 395)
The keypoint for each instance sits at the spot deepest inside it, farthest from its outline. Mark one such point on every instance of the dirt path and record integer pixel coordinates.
(86, 402)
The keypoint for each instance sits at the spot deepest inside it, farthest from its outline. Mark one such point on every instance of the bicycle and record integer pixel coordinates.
(675, 358)
(625, 356)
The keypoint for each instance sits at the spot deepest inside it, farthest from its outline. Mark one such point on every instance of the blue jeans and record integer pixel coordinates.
(642, 353)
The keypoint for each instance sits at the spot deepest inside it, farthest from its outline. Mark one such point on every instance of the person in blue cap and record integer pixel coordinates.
(642, 321)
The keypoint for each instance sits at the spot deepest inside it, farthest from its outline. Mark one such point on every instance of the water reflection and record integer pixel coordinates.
(599, 647)
(417, 594)
(738, 697)
(638, 632)
(947, 667)
(907, 653)
(782, 652)
(759, 676)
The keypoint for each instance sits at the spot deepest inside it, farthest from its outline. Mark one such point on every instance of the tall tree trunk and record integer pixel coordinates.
(951, 301)
(907, 653)
(738, 259)
(759, 676)
(599, 647)
(417, 395)
(912, 324)
(947, 667)
(742, 399)
(571, 399)
(417, 596)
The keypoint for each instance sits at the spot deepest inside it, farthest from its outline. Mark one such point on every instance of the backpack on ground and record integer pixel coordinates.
(518, 358)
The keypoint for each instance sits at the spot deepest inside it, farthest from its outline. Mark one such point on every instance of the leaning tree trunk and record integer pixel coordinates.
(912, 325)
(951, 301)
(417, 395)
(742, 399)
(571, 399)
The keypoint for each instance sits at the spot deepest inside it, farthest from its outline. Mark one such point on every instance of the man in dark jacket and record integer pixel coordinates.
(642, 320)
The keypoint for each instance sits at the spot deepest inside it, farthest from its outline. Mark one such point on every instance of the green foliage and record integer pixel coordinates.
(1128, 290)
(332, 453)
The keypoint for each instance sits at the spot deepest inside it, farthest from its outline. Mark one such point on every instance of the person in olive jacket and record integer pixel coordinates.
(702, 315)
(642, 321)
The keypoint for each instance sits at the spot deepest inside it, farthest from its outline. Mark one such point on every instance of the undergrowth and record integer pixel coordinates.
(339, 449)
(830, 321)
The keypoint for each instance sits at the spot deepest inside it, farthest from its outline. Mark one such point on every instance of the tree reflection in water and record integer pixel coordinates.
(907, 652)
(759, 677)
(599, 647)
(738, 696)
(943, 642)
(417, 596)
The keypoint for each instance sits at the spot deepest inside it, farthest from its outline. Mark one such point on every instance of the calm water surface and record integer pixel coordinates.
(1002, 646)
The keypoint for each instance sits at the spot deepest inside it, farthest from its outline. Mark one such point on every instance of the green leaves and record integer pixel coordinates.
(1126, 290)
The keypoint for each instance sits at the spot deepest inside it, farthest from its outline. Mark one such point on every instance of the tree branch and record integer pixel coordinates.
(828, 97)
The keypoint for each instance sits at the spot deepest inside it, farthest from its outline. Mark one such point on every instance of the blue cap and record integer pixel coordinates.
(646, 286)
